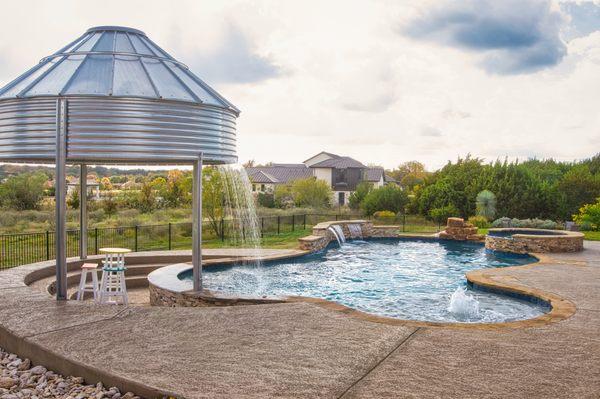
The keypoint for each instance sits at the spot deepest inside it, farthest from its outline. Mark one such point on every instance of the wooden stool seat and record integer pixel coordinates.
(83, 285)
(112, 286)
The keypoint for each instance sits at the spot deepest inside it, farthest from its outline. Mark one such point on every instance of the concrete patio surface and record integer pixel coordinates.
(301, 350)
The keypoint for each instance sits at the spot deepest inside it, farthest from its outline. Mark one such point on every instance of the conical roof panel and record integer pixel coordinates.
(114, 61)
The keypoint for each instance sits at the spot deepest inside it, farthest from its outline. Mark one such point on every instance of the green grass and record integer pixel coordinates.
(284, 240)
(592, 235)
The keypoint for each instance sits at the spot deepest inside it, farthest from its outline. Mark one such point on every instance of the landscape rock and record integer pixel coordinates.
(7, 382)
(19, 380)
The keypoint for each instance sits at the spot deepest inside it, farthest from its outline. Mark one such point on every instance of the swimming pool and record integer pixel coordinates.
(407, 279)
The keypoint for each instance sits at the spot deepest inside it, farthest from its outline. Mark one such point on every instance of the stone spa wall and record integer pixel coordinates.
(522, 243)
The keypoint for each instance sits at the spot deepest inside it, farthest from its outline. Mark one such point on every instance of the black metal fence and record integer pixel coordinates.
(24, 248)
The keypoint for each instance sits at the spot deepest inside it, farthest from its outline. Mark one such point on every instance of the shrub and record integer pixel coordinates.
(358, 196)
(387, 198)
(589, 215)
(479, 221)
(486, 204)
(441, 215)
(24, 191)
(266, 200)
(311, 192)
(283, 197)
(384, 215)
(535, 223)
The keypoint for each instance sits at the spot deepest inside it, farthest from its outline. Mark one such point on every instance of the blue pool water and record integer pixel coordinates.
(510, 233)
(407, 279)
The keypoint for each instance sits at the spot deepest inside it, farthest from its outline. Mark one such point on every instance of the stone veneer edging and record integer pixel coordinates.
(523, 243)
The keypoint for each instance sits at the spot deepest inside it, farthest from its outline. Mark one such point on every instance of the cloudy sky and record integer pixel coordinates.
(382, 81)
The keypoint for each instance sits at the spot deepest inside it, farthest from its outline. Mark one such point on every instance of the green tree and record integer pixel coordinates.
(23, 191)
(486, 204)
(589, 216)
(410, 174)
(579, 186)
(109, 204)
(357, 197)
(387, 198)
(311, 192)
(146, 199)
(213, 198)
(441, 215)
(73, 201)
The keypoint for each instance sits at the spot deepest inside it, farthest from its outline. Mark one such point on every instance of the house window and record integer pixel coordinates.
(254, 187)
(262, 188)
(342, 198)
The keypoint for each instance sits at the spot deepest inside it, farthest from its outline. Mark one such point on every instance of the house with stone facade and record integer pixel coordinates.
(341, 173)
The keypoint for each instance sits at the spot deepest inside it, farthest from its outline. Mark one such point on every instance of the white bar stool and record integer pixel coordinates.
(112, 287)
(83, 285)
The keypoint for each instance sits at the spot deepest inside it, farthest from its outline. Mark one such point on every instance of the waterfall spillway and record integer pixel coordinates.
(338, 233)
(355, 230)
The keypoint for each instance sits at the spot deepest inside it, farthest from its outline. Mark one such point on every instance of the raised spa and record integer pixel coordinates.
(523, 240)
(401, 278)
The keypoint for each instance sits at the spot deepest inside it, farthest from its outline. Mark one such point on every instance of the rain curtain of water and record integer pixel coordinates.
(239, 209)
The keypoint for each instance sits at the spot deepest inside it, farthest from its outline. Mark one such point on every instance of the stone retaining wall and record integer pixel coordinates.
(163, 297)
(523, 243)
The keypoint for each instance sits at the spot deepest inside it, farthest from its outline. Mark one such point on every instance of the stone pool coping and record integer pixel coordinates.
(168, 291)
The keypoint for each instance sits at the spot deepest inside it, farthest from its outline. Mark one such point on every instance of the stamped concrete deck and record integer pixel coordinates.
(301, 350)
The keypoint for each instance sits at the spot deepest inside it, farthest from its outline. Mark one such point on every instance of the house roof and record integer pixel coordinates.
(389, 179)
(374, 174)
(278, 174)
(339, 162)
(323, 152)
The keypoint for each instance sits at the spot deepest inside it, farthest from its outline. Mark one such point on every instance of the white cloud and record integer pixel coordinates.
(346, 81)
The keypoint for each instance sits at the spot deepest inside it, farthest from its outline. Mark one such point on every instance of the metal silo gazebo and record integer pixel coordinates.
(113, 96)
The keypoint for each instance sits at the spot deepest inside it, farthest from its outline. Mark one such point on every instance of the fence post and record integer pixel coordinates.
(96, 241)
(262, 227)
(222, 230)
(47, 245)
(336, 217)
(304, 222)
(170, 239)
(293, 222)
(136, 238)
(278, 223)
(404, 222)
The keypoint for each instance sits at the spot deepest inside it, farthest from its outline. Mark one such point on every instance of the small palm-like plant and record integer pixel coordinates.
(486, 204)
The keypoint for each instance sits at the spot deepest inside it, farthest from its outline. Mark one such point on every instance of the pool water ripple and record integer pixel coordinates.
(407, 279)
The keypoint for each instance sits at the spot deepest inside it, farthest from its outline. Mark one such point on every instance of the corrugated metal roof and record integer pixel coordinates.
(339, 162)
(114, 61)
(278, 174)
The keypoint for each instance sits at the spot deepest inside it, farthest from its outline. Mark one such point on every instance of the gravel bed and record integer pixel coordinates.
(20, 379)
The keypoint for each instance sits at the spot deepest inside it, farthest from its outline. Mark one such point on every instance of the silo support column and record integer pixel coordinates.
(197, 224)
(60, 194)
(83, 219)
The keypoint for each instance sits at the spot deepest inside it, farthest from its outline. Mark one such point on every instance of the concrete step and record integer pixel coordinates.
(130, 283)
